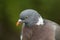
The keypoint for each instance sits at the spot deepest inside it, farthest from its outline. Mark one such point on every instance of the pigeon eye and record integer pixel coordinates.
(26, 17)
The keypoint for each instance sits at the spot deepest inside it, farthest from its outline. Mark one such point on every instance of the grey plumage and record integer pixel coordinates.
(32, 16)
(48, 31)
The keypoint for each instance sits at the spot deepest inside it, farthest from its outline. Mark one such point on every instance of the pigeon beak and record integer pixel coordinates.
(19, 22)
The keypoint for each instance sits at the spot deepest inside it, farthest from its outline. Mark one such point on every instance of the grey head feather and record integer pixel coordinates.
(32, 17)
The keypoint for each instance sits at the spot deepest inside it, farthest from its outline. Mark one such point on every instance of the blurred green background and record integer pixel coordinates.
(10, 10)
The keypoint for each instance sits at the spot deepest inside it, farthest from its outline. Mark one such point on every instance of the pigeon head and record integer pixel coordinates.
(30, 17)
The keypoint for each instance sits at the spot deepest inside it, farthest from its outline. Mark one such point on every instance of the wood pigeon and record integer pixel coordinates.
(37, 28)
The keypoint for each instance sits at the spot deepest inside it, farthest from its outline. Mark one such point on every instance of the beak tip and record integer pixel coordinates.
(17, 23)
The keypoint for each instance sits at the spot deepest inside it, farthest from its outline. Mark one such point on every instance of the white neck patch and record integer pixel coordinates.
(40, 21)
(21, 37)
